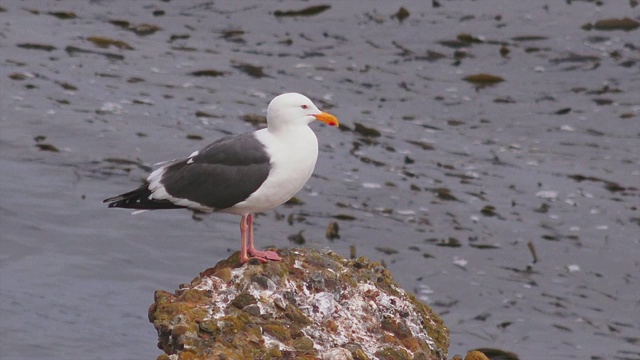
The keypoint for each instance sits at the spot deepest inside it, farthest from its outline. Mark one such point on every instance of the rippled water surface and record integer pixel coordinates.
(455, 185)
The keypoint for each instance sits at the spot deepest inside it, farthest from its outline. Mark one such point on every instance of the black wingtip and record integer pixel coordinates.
(139, 199)
(115, 199)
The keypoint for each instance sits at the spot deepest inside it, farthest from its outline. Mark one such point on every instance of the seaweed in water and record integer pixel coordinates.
(308, 11)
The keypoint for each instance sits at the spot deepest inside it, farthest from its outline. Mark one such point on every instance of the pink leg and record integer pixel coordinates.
(246, 243)
(243, 240)
(266, 255)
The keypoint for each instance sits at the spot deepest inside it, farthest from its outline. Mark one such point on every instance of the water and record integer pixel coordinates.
(549, 157)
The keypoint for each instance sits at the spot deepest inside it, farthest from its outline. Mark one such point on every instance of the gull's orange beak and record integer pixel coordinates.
(327, 118)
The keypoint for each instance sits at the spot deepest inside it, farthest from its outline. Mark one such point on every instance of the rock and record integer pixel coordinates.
(476, 355)
(472, 355)
(312, 305)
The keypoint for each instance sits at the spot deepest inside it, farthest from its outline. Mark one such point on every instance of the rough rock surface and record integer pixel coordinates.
(312, 305)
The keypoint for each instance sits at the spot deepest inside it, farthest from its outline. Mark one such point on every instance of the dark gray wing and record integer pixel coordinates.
(222, 174)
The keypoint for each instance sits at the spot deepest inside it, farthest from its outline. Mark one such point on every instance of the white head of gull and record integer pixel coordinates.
(241, 174)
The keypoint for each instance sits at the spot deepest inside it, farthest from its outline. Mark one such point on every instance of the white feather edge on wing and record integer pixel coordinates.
(166, 163)
(159, 192)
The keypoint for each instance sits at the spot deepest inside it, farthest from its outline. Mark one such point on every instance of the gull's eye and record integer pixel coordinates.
(304, 106)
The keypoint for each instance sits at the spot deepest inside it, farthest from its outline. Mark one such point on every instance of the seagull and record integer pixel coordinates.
(241, 174)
